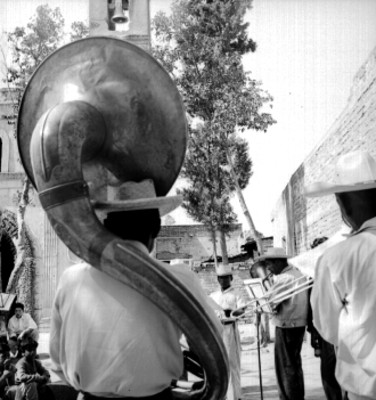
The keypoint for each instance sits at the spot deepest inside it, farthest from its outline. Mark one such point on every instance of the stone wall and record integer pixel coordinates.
(298, 220)
(193, 242)
(209, 282)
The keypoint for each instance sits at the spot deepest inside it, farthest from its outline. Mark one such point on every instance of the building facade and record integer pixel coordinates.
(298, 220)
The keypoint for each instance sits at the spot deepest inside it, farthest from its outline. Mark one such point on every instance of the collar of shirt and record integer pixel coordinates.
(287, 268)
(367, 225)
(229, 289)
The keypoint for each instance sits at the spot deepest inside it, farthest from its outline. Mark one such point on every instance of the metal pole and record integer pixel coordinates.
(258, 321)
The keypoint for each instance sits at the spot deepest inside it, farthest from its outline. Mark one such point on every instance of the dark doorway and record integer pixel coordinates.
(8, 252)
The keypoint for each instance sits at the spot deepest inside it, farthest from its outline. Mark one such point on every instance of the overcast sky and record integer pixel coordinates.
(308, 53)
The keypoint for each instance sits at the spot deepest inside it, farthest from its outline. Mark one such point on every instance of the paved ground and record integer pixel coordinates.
(250, 372)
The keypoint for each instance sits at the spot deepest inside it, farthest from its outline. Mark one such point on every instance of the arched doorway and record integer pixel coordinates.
(7, 258)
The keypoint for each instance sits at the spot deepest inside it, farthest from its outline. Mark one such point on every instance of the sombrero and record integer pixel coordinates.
(273, 252)
(353, 172)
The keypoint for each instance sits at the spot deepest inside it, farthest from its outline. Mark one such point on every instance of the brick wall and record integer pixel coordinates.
(298, 220)
(209, 282)
(194, 242)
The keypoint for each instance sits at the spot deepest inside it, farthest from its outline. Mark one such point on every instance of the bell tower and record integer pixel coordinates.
(133, 15)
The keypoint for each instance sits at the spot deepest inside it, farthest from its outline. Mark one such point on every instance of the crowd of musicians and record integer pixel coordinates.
(339, 312)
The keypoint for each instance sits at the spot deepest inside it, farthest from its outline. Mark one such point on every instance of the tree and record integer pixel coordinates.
(201, 44)
(30, 45)
(79, 30)
(207, 199)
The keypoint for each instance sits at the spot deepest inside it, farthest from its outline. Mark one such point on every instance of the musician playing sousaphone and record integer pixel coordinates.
(290, 319)
(102, 137)
(107, 340)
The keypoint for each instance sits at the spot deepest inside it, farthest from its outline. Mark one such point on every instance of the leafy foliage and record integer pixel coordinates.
(30, 45)
(207, 199)
(79, 31)
(201, 45)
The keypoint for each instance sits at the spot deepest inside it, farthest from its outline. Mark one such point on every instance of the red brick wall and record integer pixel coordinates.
(298, 220)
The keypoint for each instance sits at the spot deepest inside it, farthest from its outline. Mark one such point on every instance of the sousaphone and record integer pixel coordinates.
(97, 113)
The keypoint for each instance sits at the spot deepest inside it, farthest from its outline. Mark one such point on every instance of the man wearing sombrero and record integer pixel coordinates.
(290, 320)
(102, 133)
(107, 340)
(344, 295)
(229, 300)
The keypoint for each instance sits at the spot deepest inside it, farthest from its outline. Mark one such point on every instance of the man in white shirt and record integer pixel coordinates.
(107, 340)
(344, 295)
(22, 324)
(229, 299)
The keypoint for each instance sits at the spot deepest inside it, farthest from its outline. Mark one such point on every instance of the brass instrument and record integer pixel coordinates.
(99, 112)
(271, 297)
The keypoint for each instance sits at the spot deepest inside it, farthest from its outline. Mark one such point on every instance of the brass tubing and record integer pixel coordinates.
(268, 299)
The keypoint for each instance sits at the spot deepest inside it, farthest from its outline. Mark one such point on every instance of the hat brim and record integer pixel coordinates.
(318, 189)
(225, 274)
(164, 204)
(269, 257)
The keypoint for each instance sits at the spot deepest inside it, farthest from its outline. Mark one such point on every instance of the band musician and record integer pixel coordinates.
(290, 320)
(229, 299)
(343, 297)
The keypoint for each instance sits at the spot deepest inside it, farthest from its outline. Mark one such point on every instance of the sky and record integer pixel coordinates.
(308, 52)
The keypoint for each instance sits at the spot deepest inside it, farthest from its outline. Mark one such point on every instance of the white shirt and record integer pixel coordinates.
(18, 325)
(344, 306)
(229, 299)
(109, 340)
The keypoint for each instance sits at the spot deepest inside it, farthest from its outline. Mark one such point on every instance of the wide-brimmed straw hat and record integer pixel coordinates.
(273, 252)
(353, 172)
(223, 270)
(132, 196)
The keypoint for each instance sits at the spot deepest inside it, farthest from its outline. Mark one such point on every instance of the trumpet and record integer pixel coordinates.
(266, 302)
